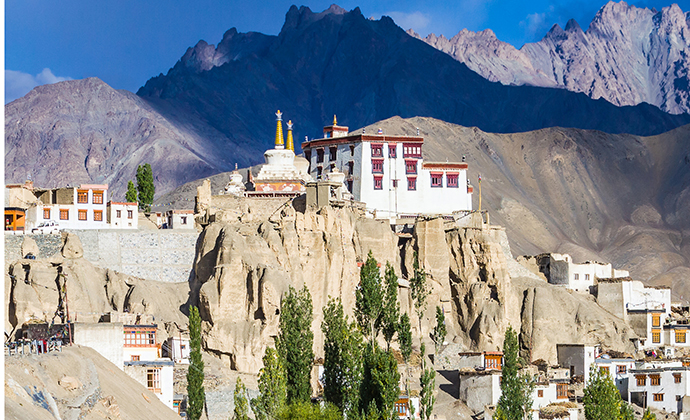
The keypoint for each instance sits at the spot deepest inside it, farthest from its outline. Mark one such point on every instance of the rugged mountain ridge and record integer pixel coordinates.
(628, 55)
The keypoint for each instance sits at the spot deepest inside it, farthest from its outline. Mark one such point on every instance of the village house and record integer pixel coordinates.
(577, 358)
(389, 174)
(618, 369)
(122, 215)
(560, 270)
(82, 207)
(180, 219)
(18, 199)
(664, 388)
(177, 349)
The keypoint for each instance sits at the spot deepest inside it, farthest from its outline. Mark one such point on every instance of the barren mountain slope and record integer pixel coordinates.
(628, 55)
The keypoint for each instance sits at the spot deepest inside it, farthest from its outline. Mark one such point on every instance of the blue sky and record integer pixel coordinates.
(125, 42)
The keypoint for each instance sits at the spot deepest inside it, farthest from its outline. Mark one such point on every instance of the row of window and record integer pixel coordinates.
(83, 197)
(561, 391)
(576, 276)
(436, 181)
(409, 150)
(140, 338)
(83, 214)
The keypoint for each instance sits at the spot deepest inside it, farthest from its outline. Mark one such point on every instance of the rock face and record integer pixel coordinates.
(628, 55)
(243, 269)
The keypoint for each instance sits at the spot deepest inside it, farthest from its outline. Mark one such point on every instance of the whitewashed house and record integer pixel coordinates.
(389, 174)
(618, 369)
(180, 219)
(122, 215)
(560, 270)
(82, 207)
(660, 388)
(577, 357)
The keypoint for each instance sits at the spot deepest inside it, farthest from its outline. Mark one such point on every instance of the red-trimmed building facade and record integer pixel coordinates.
(389, 174)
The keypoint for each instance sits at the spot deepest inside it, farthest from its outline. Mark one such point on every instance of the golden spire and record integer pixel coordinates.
(335, 120)
(280, 143)
(290, 145)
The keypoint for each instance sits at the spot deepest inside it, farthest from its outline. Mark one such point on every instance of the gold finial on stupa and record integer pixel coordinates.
(335, 120)
(290, 145)
(280, 143)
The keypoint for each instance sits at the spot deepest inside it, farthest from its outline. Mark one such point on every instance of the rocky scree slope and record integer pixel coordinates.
(245, 264)
(628, 55)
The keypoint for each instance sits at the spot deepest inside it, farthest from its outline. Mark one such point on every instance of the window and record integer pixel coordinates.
(395, 183)
(153, 380)
(411, 184)
(677, 378)
(378, 182)
(135, 358)
(350, 168)
(333, 152)
(437, 179)
(82, 196)
(493, 361)
(576, 276)
(140, 338)
(349, 185)
(307, 155)
(655, 380)
(98, 215)
(561, 391)
(98, 197)
(319, 155)
(410, 166)
(412, 150)
(452, 180)
(46, 213)
(641, 380)
(130, 214)
(81, 215)
(377, 166)
(377, 150)
(352, 150)
(604, 369)
(184, 220)
(656, 320)
(540, 393)
(621, 369)
(680, 336)
(392, 150)
(656, 336)
(658, 397)
(586, 277)
(118, 213)
(64, 214)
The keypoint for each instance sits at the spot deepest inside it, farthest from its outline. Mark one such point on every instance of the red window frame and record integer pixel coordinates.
(392, 150)
(411, 166)
(378, 182)
(437, 179)
(411, 183)
(412, 150)
(377, 166)
(452, 180)
(377, 150)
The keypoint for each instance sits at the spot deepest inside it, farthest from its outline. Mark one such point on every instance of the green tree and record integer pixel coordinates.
(272, 387)
(418, 290)
(306, 411)
(626, 412)
(145, 186)
(602, 400)
(369, 298)
(439, 333)
(648, 415)
(515, 402)
(131, 194)
(380, 389)
(295, 342)
(405, 337)
(241, 411)
(342, 366)
(390, 318)
(427, 381)
(195, 375)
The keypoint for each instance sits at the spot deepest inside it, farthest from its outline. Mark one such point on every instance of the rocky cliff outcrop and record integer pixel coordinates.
(243, 270)
(628, 55)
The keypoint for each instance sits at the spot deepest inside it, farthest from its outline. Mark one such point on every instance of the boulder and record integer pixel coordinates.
(29, 247)
(72, 247)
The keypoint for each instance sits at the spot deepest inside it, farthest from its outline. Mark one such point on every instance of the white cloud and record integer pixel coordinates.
(18, 84)
(533, 23)
(415, 20)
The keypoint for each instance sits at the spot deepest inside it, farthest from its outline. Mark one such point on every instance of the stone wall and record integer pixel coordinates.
(161, 255)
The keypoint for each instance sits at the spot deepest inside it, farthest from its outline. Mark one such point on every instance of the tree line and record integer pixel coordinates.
(360, 378)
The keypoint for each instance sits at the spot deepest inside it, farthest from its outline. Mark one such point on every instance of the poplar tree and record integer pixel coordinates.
(427, 381)
(131, 194)
(369, 298)
(195, 375)
(145, 186)
(418, 291)
(439, 333)
(601, 400)
(515, 402)
(342, 366)
(241, 410)
(380, 383)
(272, 387)
(390, 318)
(295, 342)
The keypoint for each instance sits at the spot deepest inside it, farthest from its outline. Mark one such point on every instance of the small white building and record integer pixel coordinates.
(156, 375)
(560, 270)
(663, 389)
(389, 174)
(488, 360)
(123, 215)
(180, 219)
(617, 369)
(478, 389)
(577, 357)
(82, 207)
(177, 349)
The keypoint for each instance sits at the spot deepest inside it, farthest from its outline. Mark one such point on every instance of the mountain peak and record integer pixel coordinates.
(572, 26)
